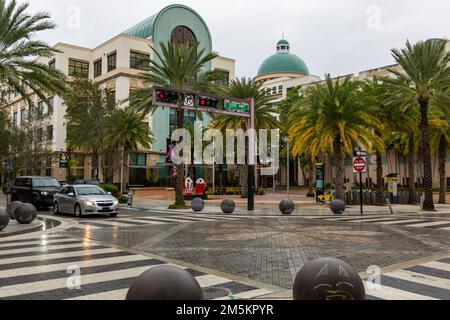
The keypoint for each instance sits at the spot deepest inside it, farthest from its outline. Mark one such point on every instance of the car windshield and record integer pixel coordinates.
(90, 191)
(45, 183)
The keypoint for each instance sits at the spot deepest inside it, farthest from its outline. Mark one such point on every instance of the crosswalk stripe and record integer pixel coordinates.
(399, 222)
(106, 222)
(429, 224)
(41, 248)
(373, 220)
(31, 244)
(114, 295)
(389, 293)
(43, 257)
(210, 280)
(47, 285)
(31, 241)
(437, 265)
(420, 278)
(63, 266)
(446, 229)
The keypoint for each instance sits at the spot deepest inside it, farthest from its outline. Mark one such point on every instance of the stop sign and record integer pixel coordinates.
(359, 165)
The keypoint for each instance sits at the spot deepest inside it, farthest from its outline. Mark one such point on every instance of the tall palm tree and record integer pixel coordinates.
(127, 132)
(426, 74)
(440, 144)
(19, 69)
(332, 118)
(181, 67)
(265, 115)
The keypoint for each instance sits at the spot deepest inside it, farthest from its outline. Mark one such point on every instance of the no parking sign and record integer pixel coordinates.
(359, 165)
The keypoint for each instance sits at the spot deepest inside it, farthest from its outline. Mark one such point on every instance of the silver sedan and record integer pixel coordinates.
(85, 199)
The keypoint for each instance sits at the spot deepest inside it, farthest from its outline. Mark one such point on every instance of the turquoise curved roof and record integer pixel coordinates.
(143, 29)
(283, 42)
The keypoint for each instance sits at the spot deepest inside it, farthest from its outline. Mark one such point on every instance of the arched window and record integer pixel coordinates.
(183, 35)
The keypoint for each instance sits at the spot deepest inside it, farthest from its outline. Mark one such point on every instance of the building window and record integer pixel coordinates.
(22, 116)
(78, 174)
(112, 61)
(111, 98)
(40, 110)
(52, 64)
(49, 133)
(280, 89)
(78, 68)
(50, 106)
(189, 118)
(224, 79)
(138, 159)
(39, 135)
(48, 172)
(268, 91)
(78, 160)
(139, 60)
(183, 35)
(98, 68)
(274, 90)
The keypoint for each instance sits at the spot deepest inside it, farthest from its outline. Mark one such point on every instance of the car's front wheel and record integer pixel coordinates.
(78, 212)
(56, 209)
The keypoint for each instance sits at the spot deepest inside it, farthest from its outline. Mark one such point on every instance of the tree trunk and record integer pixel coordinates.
(442, 172)
(95, 164)
(380, 198)
(411, 173)
(311, 193)
(339, 168)
(179, 184)
(428, 204)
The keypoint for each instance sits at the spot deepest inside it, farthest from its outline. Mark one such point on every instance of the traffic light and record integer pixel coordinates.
(207, 102)
(166, 96)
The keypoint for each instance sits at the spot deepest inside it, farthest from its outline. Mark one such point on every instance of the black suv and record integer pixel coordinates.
(38, 191)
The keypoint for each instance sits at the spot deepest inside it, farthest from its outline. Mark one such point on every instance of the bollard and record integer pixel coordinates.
(4, 219)
(328, 279)
(197, 205)
(228, 206)
(130, 199)
(25, 214)
(287, 206)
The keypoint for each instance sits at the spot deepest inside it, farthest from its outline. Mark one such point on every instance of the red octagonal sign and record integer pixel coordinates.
(359, 165)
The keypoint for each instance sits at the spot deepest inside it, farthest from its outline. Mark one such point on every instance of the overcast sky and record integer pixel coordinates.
(332, 36)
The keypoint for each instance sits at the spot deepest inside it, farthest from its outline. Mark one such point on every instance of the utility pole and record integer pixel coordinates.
(251, 160)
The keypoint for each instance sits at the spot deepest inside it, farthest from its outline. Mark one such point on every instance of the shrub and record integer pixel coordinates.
(111, 188)
(123, 199)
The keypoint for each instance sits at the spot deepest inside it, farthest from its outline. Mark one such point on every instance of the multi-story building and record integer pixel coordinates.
(116, 64)
(284, 71)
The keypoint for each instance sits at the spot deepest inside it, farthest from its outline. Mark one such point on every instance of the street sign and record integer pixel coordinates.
(189, 100)
(237, 107)
(320, 180)
(360, 153)
(359, 165)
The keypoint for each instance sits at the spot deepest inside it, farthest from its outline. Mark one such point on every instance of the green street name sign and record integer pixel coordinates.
(237, 107)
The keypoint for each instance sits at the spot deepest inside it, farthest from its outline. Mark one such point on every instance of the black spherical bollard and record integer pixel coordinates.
(12, 208)
(328, 279)
(4, 219)
(197, 205)
(287, 206)
(25, 214)
(338, 206)
(228, 206)
(165, 283)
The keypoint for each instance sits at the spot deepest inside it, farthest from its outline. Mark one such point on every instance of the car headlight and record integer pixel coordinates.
(116, 202)
(44, 193)
(89, 203)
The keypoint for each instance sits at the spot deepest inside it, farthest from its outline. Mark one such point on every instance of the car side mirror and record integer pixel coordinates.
(109, 194)
(71, 195)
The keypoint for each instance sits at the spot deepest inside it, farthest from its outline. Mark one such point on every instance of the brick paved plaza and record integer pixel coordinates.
(239, 256)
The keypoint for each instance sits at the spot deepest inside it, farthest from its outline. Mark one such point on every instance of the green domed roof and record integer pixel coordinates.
(283, 62)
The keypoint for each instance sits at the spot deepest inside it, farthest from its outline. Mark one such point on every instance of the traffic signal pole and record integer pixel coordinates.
(251, 160)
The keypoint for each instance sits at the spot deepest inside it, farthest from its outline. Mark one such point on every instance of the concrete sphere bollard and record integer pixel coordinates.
(287, 206)
(4, 219)
(328, 279)
(165, 283)
(228, 206)
(197, 205)
(12, 208)
(25, 214)
(338, 206)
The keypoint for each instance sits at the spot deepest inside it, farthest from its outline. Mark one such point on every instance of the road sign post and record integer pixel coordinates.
(360, 166)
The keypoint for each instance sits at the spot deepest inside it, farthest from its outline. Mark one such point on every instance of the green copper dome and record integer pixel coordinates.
(283, 62)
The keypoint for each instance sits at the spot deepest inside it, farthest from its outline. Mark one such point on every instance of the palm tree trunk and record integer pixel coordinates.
(411, 173)
(442, 172)
(311, 193)
(380, 200)
(179, 193)
(428, 204)
(339, 168)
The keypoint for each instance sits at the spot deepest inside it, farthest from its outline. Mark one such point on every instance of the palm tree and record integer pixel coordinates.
(440, 144)
(127, 132)
(265, 115)
(426, 66)
(18, 49)
(331, 118)
(183, 68)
